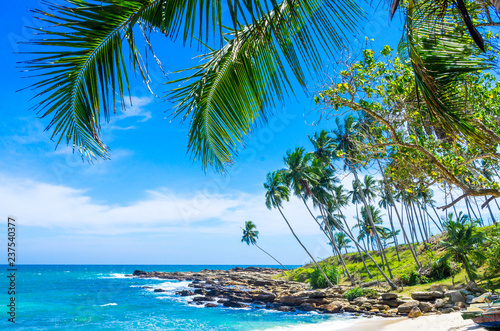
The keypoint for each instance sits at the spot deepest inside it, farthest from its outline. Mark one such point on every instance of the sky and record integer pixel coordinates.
(150, 203)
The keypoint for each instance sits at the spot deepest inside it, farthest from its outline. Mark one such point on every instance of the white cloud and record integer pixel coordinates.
(161, 210)
(136, 107)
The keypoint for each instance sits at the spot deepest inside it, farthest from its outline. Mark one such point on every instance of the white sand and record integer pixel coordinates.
(445, 322)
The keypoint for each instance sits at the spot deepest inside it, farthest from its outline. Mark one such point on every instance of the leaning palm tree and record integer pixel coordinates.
(250, 236)
(277, 192)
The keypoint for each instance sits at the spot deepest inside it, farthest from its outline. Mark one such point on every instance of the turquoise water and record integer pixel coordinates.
(91, 297)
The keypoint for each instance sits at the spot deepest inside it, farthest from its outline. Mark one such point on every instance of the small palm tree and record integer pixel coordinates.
(250, 236)
(462, 242)
(342, 241)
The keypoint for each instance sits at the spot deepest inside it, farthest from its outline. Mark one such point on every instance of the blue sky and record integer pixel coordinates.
(150, 203)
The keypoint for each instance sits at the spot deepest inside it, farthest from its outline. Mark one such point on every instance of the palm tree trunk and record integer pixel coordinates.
(332, 240)
(397, 214)
(357, 248)
(393, 232)
(412, 205)
(271, 257)
(389, 281)
(304, 247)
(491, 214)
(478, 209)
(368, 212)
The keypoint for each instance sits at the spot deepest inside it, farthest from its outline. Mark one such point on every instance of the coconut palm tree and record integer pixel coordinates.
(342, 241)
(346, 138)
(462, 242)
(277, 192)
(250, 236)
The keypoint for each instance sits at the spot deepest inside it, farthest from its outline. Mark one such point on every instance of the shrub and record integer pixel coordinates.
(354, 293)
(301, 274)
(317, 279)
(442, 268)
(412, 278)
(371, 293)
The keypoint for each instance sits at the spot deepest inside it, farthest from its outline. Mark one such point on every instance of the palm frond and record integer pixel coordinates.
(441, 54)
(232, 91)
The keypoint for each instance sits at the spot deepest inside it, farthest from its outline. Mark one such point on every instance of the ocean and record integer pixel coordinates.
(100, 297)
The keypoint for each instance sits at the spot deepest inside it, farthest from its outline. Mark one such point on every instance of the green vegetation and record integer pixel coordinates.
(317, 280)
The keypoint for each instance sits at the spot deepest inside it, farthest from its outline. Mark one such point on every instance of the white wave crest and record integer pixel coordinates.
(110, 304)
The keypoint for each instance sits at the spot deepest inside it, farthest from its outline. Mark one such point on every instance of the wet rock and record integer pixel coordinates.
(286, 309)
(291, 300)
(209, 304)
(198, 299)
(184, 293)
(160, 290)
(334, 307)
(265, 297)
(414, 313)
(406, 307)
(233, 304)
(307, 306)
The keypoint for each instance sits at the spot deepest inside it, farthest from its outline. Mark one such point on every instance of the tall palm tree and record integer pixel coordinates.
(346, 137)
(306, 176)
(250, 236)
(277, 192)
(462, 242)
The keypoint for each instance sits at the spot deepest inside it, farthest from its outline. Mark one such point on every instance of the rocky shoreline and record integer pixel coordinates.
(256, 287)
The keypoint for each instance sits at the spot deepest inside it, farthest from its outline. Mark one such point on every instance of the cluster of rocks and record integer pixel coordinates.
(255, 287)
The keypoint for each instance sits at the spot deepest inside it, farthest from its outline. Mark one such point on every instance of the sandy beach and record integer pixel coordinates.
(448, 322)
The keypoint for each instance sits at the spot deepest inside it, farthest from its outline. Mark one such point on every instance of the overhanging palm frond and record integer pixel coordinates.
(231, 93)
(441, 54)
(82, 65)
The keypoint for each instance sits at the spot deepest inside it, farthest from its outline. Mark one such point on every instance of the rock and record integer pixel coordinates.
(389, 296)
(469, 298)
(201, 291)
(482, 298)
(392, 303)
(426, 307)
(374, 310)
(461, 305)
(211, 305)
(366, 306)
(286, 309)
(184, 293)
(160, 290)
(318, 294)
(212, 293)
(233, 304)
(334, 307)
(455, 296)
(291, 300)
(456, 308)
(359, 301)
(439, 303)
(414, 313)
(426, 295)
(447, 310)
(319, 301)
(139, 273)
(406, 307)
(438, 287)
(381, 307)
(265, 297)
(472, 287)
(198, 299)
(307, 306)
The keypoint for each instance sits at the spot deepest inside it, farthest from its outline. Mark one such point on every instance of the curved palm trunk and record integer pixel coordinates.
(399, 218)
(357, 248)
(272, 257)
(389, 281)
(304, 247)
(478, 209)
(368, 212)
(393, 232)
(330, 237)
(414, 211)
(491, 214)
